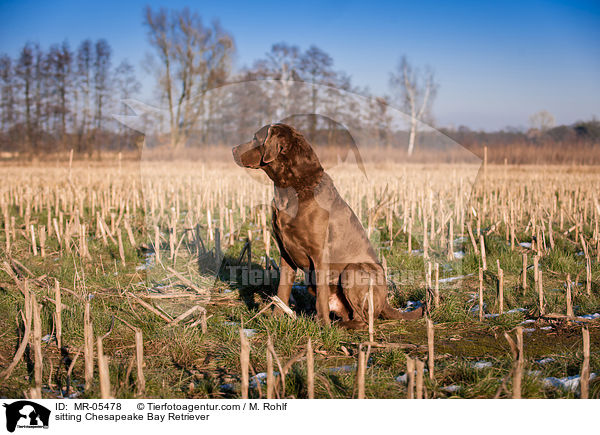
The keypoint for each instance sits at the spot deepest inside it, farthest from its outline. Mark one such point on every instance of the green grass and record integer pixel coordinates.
(182, 362)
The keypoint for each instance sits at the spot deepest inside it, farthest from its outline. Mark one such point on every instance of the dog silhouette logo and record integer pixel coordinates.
(26, 414)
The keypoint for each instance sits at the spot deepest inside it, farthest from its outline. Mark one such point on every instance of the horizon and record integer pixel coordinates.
(495, 65)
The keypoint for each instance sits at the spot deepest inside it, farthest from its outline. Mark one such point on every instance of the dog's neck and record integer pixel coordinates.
(303, 177)
(288, 199)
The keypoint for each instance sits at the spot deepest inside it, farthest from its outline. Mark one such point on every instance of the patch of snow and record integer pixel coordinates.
(545, 360)
(525, 244)
(344, 368)
(459, 255)
(527, 321)
(227, 387)
(569, 383)
(488, 316)
(451, 388)
(475, 308)
(529, 330)
(481, 365)
(259, 378)
(454, 278)
(516, 310)
(413, 305)
(148, 262)
(590, 316)
(547, 328)
(403, 378)
(249, 332)
(46, 338)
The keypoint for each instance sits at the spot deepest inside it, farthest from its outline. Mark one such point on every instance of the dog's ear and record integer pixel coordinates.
(272, 145)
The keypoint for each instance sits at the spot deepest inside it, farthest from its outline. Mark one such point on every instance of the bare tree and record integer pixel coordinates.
(24, 73)
(101, 68)
(380, 120)
(55, 97)
(415, 91)
(192, 59)
(287, 64)
(542, 120)
(83, 81)
(127, 86)
(7, 100)
(334, 102)
(281, 63)
(42, 90)
(316, 68)
(249, 105)
(125, 81)
(59, 70)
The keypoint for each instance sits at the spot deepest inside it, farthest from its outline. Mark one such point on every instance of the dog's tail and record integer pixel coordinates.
(390, 313)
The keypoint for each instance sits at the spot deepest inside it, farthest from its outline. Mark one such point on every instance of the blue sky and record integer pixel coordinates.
(496, 63)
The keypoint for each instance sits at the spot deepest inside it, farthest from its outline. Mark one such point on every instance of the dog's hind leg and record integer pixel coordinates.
(353, 324)
(355, 280)
(338, 304)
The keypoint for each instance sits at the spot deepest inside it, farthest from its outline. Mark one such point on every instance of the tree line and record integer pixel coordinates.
(60, 98)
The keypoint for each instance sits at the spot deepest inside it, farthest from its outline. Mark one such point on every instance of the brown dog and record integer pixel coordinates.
(317, 231)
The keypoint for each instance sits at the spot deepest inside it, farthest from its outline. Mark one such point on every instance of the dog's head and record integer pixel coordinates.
(282, 153)
(260, 151)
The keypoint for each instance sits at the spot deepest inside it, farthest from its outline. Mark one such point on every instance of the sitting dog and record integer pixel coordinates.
(317, 231)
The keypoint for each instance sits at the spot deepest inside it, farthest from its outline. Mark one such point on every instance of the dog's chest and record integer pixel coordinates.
(300, 234)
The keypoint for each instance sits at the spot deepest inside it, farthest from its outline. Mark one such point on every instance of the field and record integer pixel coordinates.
(131, 280)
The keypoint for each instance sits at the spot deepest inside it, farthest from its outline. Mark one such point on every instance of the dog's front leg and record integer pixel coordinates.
(322, 285)
(287, 274)
(322, 266)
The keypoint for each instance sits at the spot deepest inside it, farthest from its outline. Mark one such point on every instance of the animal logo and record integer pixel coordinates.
(26, 414)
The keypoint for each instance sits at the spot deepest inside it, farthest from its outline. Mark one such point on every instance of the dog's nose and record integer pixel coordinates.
(236, 156)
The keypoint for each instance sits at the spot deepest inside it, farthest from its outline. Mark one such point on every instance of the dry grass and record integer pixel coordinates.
(105, 223)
